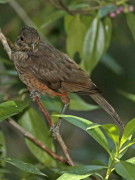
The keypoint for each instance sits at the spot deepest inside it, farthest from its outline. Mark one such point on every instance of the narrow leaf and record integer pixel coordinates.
(24, 166)
(131, 23)
(78, 173)
(125, 169)
(3, 150)
(112, 64)
(8, 72)
(107, 23)
(32, 122)
(131, 160)
(48, 101)
(128, 131)
(3, 1)
(84, 124)
(78, 104)
(106, 10)
(11, 108)
(53, 17)
(75, 31)
(128, 145)
(94, 44)
(113, 132)
(130, 96)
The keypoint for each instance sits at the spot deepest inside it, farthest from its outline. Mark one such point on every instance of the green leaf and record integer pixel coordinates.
(125, 169)
(78, 104)
(11, 108)
(130, 96)
(107, 23)
(3, 1)
(131, 160)
(10, 82)
(53, 17)
(94, 45)
(112, 64)
(78, 173)
(106, 10)
(6, 61)
(3, 150)
(131, 23)
(113, 132)
(8, 72)
(75, 31)
(79, 6)
(84, 124)
(86, 20)
(128, 131)
(68, 22)
(23, 166)
(122, 151)
(32, 122)
(52, 104)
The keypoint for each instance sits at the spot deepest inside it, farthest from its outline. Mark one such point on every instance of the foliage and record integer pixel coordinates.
(120, 147)
(89, 28)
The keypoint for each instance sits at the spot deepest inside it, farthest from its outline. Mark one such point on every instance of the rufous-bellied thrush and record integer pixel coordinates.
(49, 71)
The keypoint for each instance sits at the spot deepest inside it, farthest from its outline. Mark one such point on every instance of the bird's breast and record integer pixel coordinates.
(20, 60)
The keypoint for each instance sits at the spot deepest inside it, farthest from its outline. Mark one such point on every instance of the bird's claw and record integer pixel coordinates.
(34, 94)
(54, 130)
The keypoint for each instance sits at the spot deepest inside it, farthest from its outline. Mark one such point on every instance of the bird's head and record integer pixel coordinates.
(28, 39)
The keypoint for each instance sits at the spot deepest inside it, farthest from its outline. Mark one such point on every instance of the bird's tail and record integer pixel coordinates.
(107, 107)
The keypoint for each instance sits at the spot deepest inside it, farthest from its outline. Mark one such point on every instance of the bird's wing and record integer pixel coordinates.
(58, 71)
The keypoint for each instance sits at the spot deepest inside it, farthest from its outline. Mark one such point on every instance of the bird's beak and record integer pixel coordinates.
(33, 46)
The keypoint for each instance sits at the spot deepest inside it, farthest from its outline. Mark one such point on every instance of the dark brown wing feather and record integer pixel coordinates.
(58, 71)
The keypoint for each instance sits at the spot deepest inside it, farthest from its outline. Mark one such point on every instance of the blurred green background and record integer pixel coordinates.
(114, 75)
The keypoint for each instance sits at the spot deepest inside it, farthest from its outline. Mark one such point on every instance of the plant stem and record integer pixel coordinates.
(111, 167)
(58, 136)
(36, 141)
(5, 44)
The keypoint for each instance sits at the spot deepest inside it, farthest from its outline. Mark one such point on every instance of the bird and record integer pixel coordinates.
(48, 71)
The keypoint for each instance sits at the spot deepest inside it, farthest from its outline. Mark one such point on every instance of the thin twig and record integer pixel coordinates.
(65, 7)
(54, 4)
(36, 141)
(73, 12)
(5, 44)
(58, 136)
(44, 110)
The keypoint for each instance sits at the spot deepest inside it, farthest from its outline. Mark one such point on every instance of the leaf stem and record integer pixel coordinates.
(111, 166)
(5, 44)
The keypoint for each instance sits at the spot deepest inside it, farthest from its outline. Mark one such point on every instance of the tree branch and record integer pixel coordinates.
(65, 7)
(54, 4)
(5, 44)
(52, 125)
(36, 141)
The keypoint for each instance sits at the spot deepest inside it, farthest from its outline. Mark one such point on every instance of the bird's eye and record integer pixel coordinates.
(21, 38)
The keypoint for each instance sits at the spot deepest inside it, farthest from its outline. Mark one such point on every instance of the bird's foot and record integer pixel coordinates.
(33, 94)
(55, 129)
